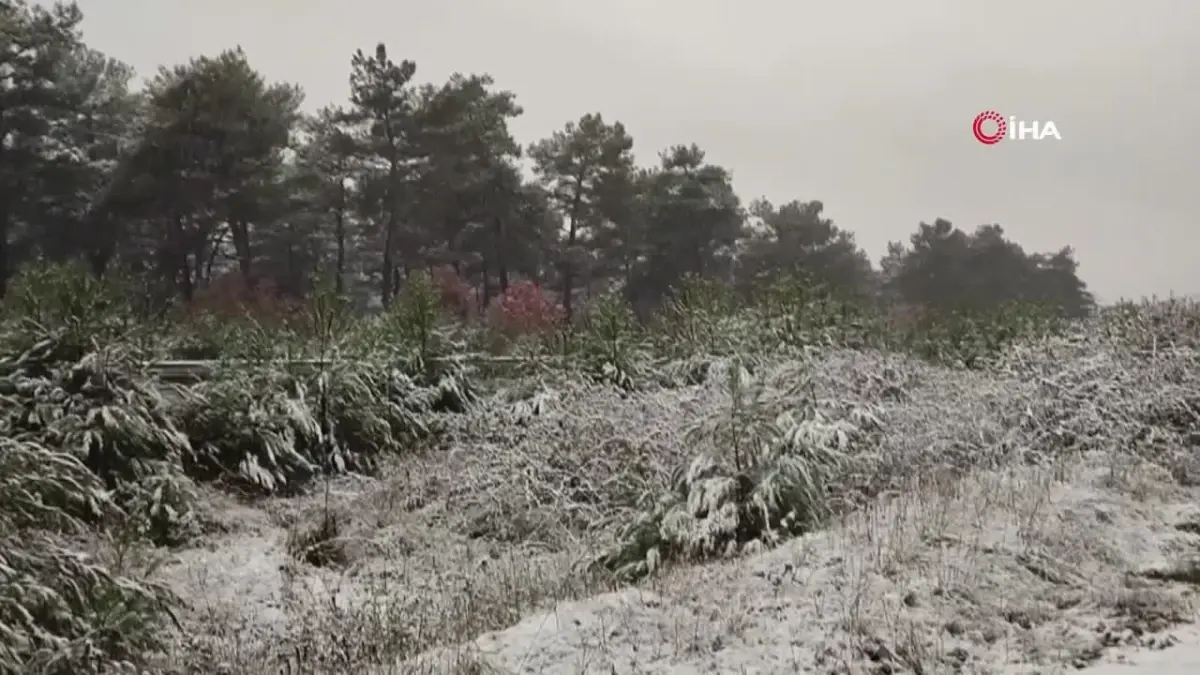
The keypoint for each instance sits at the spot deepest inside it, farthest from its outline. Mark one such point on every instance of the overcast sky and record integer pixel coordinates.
(866, 106)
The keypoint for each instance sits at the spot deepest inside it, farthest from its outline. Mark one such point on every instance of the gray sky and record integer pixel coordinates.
(866, 106)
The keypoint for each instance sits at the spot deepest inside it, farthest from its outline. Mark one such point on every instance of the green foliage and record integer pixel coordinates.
(82, 445)
(102, 411)
(794, 312)
(762, 478)
(699, 317)
(796, 240)
(95, 444)
(611, 344)
(273, 427)
(418, 313)
(1153, 327)
(975, 339)
(413, 341)
(68, 301)
(949, 270)
(584, 169)
(696, 223)
(62, 613)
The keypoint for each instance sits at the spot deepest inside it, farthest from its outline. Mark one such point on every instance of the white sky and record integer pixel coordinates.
(866, 106)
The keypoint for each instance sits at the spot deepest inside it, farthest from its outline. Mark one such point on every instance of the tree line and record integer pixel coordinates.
(212, 169)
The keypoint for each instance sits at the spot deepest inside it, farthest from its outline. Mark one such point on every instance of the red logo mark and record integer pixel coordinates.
(994, 137)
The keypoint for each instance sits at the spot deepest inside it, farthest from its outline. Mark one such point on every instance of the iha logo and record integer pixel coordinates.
(990, 128)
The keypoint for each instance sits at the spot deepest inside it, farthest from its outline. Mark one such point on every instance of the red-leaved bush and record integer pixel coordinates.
(231, 297)
(524, 309)
(456, 295)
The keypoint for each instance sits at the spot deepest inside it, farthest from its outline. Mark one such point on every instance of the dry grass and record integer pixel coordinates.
(1030, 516)
(1030, 566)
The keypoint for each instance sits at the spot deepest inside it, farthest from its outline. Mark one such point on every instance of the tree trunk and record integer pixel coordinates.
(486, 275)
(340, 235)
(177, 258)
(103, 247)
(502, 254)
(239, 230)
(568, 276)
(387, 283)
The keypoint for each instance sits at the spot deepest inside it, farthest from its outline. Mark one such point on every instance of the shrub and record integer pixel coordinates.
(456, 295)
(65, 613)
(763, 475)
(82, 446)
(231, 317)
(611, 342)
(972, 339)
(102, 410)
(68, 301)
(700, 316)
(264, 428)
(525, 309)
(232, 297)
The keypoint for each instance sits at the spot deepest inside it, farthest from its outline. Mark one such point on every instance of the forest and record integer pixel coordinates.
(211, 171)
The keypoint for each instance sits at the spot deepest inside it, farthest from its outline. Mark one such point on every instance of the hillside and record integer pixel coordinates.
(1041, 513)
